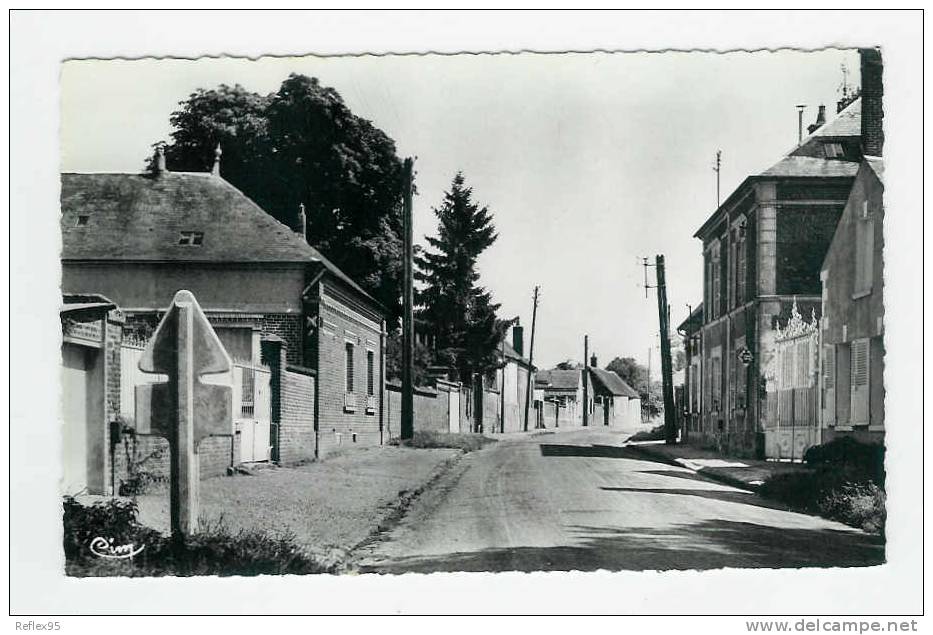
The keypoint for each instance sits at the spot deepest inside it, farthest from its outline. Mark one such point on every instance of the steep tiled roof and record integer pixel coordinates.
(877, 166)
(511, 353)
(559, 379)
(608, 381)
(847, 123)
(141, 217)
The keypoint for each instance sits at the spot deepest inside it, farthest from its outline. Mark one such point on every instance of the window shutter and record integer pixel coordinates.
(829, 384)
(860, 382)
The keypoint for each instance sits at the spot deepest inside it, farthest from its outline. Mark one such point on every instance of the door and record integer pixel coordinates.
(74, 387)
(453, 411)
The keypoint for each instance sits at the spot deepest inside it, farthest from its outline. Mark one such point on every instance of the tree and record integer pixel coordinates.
(632, 373)
(454, 308)
(568, 364)
(303, 146)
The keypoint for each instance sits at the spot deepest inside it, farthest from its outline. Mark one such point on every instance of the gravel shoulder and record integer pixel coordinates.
(329, 506)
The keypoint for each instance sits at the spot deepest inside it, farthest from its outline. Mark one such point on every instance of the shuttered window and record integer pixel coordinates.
(370, 373)
(860, 381)
(829, 384)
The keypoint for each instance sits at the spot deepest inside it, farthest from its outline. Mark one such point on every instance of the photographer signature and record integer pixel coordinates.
(105, 548)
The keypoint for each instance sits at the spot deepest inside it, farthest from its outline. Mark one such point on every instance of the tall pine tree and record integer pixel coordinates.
(453, 307)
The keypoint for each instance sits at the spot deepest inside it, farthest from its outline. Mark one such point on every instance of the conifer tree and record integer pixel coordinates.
(453, 307)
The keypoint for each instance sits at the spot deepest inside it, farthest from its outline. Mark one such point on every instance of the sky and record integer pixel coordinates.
(588, 162)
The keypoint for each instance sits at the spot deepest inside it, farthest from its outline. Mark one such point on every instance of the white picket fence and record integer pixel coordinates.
(252, 399)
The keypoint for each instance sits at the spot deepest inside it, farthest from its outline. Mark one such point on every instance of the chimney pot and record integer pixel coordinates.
(160, 160)
(302, 222)
(216, 169)
(593, 360)
(820, 120)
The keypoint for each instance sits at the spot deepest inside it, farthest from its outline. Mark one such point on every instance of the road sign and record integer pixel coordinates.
(184, 410)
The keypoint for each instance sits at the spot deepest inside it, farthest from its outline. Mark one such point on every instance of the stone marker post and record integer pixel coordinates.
(184, 410)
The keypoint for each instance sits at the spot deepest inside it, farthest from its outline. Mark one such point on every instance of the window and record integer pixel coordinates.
(829, 384)
(715, 379)
(833, 150)
(717, 282)
(860, 382)
(741, 267)
(82, 220)
(864, 251)
(191, 238)
(349, 362)
(370, 373)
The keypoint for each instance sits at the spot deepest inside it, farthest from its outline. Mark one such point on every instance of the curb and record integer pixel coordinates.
(713, 476)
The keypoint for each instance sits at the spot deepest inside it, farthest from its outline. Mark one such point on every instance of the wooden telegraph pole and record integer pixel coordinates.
(531, 353)
(586, 362)
(664, 318)
(407, 426)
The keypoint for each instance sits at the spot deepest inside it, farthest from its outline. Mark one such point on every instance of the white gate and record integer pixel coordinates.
(252, 411)
(792, 390)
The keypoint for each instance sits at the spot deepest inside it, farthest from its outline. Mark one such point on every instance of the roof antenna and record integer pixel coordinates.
(717, 170)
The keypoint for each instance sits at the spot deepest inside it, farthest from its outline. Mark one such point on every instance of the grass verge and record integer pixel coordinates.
(457, 441)
(92, 530)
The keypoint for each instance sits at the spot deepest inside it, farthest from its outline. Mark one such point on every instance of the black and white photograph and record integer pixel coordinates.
(365, 313)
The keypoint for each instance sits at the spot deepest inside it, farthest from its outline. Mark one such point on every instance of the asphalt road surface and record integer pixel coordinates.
(581, 501)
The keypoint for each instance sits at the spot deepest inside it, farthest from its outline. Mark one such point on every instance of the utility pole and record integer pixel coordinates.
(800, 108)
(664, 317)
(407, 426)
(586, 362)
(531, 354)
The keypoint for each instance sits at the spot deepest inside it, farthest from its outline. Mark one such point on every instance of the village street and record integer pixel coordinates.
(580, 500)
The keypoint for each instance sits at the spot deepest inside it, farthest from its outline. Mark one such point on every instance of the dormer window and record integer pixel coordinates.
(82, 220)
(191, 238)
(833, 150)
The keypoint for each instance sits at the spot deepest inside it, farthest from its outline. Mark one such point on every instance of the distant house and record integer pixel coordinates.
(512, 382)
(615, 403)
(273, 299)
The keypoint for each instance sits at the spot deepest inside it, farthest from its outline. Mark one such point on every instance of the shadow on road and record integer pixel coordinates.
(727, 495)
(706, 545)
(601, 451)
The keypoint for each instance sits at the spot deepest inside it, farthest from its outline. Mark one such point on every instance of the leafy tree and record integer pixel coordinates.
(454, 308)
(303, 146)
(421, 360)
(568, 364)
(633, 373)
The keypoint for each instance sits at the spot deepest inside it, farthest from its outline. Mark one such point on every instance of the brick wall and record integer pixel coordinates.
(340, 324)
(288, 327)
(430, 410)
(872, 107)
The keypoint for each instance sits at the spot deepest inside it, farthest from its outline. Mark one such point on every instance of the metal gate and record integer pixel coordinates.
(792, 390)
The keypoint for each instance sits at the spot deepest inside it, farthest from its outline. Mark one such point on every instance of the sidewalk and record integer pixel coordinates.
(746, 474)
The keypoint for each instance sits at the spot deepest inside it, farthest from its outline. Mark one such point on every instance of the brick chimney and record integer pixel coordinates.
(820, 120)
(593, 360)
(872, 108)
(518, 339)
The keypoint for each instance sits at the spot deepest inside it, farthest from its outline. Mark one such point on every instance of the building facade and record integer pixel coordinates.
(762, 253)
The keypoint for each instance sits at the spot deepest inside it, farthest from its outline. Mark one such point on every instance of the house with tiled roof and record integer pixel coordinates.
(615, 403)
(763, 248)
(272, 298)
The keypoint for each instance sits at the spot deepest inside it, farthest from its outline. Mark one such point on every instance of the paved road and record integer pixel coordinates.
(580, 501)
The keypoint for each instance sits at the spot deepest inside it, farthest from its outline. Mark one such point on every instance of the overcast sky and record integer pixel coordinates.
(587, 161)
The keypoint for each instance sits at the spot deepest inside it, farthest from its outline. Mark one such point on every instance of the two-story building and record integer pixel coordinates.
(762, 252)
